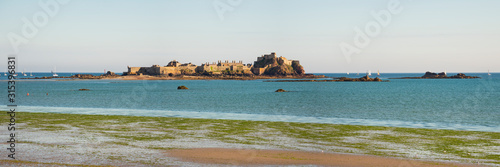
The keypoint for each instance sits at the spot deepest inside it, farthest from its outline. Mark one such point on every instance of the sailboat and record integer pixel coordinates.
(489, 72)
(54, 74)
(369, 73)
(24, 74)
(31, 73)
(378, 72)
(347, 73)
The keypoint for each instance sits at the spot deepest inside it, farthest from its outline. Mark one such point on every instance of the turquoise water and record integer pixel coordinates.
(461, 104)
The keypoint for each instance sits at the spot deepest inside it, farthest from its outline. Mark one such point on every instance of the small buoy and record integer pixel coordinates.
(47, 94)
(28, 94)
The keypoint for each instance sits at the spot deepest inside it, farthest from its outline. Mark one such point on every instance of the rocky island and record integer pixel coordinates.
(442, 75)
(268, 66)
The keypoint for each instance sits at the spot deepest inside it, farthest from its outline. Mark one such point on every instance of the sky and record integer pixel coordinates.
(98, 35)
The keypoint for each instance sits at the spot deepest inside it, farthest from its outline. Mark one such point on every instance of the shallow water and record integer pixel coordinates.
(460, 104)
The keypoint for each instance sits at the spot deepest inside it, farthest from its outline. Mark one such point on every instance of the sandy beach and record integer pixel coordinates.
(247, 157)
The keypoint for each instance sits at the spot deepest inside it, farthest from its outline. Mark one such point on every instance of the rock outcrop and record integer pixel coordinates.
(109, 73)
(341, 79)
(281, 90)
(277, 66)
(443, 75)
(429, 74)
(463, 76)
(182, 88)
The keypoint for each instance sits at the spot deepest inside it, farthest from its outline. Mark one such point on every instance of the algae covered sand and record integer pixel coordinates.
(52, 138)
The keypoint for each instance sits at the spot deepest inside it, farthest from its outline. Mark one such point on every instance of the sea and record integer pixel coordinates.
(456, 104)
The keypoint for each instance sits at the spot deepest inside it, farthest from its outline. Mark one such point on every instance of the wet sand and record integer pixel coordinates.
(276, 157)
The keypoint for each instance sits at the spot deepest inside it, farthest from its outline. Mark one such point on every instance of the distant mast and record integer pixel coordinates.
(54, 74)
(489, 72)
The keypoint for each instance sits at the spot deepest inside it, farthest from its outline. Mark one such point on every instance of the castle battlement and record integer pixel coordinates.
(232, 67)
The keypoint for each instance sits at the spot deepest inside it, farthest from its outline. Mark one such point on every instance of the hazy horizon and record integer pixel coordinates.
(90, 36)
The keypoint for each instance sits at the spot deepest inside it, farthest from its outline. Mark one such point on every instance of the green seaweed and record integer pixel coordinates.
(127, 129)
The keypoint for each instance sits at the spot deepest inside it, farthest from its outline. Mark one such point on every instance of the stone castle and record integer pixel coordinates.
(174, 68)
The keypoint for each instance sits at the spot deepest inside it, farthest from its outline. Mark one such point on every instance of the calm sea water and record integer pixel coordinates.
(460, 104)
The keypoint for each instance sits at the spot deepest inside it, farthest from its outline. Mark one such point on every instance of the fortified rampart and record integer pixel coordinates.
(234, 67)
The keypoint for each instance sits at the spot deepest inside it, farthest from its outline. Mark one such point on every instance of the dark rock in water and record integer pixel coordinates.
(281, 90)
(377, 79)
(85, 76)
(461, 75)
(83, 89)
(109, 74)
(429, 74)
(182, 87)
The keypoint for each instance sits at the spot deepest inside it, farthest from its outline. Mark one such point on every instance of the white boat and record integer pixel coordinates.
(369, 73)
(31, 73)
(378, 72)
(489, 72)
(24, 74)
(347, 73)
(54, 74)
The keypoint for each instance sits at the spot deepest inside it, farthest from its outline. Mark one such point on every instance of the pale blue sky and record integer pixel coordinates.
(93, 35)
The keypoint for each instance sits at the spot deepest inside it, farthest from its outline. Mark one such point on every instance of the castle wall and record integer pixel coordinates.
(258, 71)
(168, 71)
(133, 70)
(283, 60)
(175, 68)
